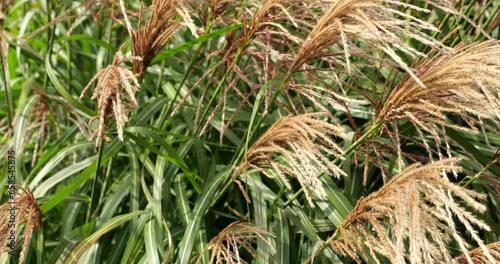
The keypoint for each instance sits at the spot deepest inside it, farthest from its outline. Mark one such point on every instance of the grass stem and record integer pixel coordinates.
(95, 188)
(494, 160)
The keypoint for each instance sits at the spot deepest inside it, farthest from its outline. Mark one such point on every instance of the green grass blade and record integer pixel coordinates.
(151, 242)
(52, 151)
(112, 201)
(202, 204)
(62, 175)
(88, 39)
(135, 228)
(113, 223)
(21, 126)
(69, 241)
(56, 160)
(110, 151)
(283, 241)
(134, 178)
(471, 148)
(300, 219)
(260, 218)
(187, 45)
(171, 156)
(181, 200)
(60, 88)
(336, 197)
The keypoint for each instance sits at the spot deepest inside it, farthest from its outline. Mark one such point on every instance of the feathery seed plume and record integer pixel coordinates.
(114, 83)
(150, 38)
(42, 116)
(478, 257)
(464, 84)
(305, 144)
(373, 22)
(217, 7)
(27, 212)
(412, 218)
(226, 245)
(263, 38)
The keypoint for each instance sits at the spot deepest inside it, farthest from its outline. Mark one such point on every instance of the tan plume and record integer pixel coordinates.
(464, 83)
(226, 246)
(27, 213)
(151, 37)
(374, 22)
(115, 82)
(412, 218)
(304, 143)
(477, 255)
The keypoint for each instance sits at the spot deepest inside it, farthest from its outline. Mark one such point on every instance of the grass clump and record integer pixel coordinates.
(240, 131)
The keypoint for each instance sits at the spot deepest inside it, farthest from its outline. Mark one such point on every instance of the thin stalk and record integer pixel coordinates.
(4, 64)
(6, 82)
(461, 21)
(220, 84)
(494, 161)
(105, 184)
(68, 51)
(322, 247)
(93, 199)
(270, 212)
(491, 17)
(235, 61)
(165, 112)
(481, 26)
(160, 78)
(217, 89)
(251, 132)
(96, 191)
(486, 7)
(193, 61)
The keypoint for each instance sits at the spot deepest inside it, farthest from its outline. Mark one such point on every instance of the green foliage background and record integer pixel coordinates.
(165, 192)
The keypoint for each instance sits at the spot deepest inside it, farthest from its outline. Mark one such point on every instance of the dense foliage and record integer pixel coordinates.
(250, 131)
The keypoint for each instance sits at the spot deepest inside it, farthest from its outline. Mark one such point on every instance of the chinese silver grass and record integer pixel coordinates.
(114, 83)
(463, 84)
(226, 246)
(299, 147)
(27, 213)
(378, 23)
(412, 218)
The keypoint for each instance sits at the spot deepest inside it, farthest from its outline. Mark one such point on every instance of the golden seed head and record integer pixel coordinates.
(115, 82)
(305, 145)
